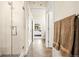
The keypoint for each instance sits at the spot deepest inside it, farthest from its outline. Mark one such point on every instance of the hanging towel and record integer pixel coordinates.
(67, 35)
(75, 49)
(57, 28)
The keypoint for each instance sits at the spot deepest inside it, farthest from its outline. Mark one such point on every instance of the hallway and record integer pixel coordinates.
(38, 49)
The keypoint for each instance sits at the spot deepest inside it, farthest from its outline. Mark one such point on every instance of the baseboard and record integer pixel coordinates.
(8, 55)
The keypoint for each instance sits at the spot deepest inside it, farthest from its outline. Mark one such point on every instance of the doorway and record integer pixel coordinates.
(39, 28)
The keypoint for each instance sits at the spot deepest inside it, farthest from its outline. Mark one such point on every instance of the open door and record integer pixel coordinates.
(49, 29)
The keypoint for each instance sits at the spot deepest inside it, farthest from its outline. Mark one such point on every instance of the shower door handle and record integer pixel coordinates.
(14, 30)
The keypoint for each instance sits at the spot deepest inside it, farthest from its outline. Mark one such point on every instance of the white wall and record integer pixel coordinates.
(5, 28)
(62, 10)
(18, 41)
(77, 7)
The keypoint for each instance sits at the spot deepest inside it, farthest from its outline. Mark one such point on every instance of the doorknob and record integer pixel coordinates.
(14, 30)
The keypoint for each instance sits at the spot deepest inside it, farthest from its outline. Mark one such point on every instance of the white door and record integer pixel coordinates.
(47, 30)
(5, 28)
(18, 27)
(50, 31)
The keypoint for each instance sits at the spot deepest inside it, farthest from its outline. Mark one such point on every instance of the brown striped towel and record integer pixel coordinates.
(67, 35)
(57, 28)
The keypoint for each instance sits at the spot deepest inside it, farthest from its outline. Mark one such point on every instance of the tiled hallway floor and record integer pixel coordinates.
(38, 49)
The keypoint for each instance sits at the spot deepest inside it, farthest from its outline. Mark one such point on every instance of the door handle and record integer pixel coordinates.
(14, 30)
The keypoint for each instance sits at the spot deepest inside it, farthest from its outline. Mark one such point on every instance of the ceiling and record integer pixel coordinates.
(37, 4)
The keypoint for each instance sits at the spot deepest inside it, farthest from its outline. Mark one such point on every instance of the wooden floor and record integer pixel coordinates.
(38, 49)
